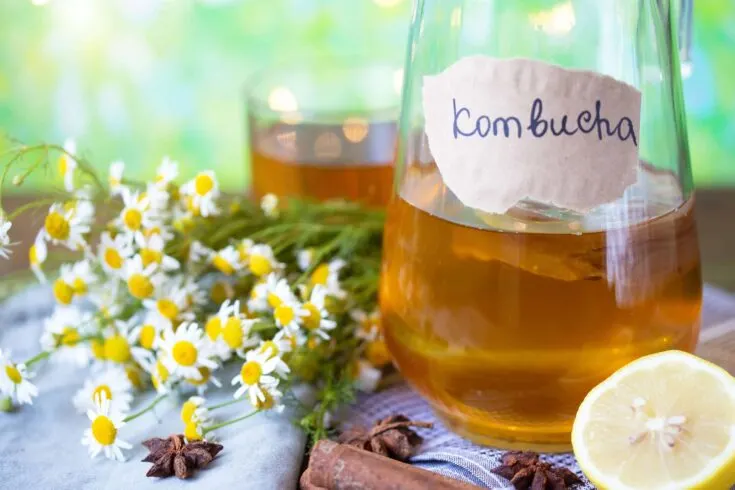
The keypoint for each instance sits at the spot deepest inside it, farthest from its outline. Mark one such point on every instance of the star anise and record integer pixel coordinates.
(526, 471)
(391, 437)
(174, 456)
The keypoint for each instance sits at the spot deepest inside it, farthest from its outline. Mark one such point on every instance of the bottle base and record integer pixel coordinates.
(506, 437)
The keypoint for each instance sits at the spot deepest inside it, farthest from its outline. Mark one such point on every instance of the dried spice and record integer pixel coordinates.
(391, 437)
(526, 471)
(174, 456)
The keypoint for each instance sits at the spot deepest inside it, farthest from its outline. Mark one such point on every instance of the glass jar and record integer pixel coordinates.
(324, 131)
(541, 234)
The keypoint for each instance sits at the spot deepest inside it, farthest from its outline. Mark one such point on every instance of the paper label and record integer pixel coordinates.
(505, 130)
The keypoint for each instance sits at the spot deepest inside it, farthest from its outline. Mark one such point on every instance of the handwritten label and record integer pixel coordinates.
(502, 131)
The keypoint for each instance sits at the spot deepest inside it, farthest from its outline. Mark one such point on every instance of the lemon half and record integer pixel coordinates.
(665, 421)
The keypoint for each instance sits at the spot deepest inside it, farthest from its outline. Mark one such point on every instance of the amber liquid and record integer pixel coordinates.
(505, 327)
(323, 162)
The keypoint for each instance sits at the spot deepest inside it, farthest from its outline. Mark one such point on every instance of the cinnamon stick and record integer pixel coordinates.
(334, 466)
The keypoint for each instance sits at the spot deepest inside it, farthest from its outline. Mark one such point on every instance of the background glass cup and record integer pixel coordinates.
(324, 133)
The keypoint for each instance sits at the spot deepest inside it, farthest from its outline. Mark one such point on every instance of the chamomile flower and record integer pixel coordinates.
(327, 275)
(152, 252)
(149, 331)
(194, 430)
(62, 335)
(236, 330)
(113, 252)
(160, 375)
(203, 191)
(204, 381)
(261, 260)
(289, 314)
(67, 165)
(102, 435)
(368, 325)
(74, 280)
(142, 281)
(269, 293)
(104, 296)
(170, 303)
(111, 384)
(115, 177)
(275, 349)
(227, 260)
(193, 409)
(304, 258)
(243, 248)
(14, 380)
(157, 199)
(317, 319)
(271, 399)
(184, 351)
(66, 226)
(255, 375)
(166, 172)
(214, 329)
(4, 238)
(135, 216)
(119, 341)
(37, 254)
(269, 205)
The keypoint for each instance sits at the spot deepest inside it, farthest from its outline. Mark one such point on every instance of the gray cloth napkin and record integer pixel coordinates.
(40, 445)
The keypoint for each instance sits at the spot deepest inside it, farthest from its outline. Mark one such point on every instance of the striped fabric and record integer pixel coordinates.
(452, 456)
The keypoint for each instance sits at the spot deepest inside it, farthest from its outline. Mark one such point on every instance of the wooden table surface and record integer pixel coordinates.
(715, 209)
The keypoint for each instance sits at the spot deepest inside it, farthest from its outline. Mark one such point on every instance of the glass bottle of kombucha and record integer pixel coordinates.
(541, 233)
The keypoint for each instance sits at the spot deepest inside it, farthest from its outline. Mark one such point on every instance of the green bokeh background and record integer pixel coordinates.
(139, 79)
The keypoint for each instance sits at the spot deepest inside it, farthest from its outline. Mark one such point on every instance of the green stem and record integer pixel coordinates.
(146, 409)
(38, 357)
(229, 422)
(224, 404)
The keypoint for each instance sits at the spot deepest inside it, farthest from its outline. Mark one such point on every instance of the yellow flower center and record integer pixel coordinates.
(187, 411)
(273, 300)
(270, 347)
(150, 256)
(13, 374)
(117, 349)
(69, 336)
(102, 391)
(203, 184)
(114, 182)
(184, 353)
(98, 349)
(104, 430)
(161, 371)
(265, 404)
(33, 255)
(312, 342)
(320, 275)
(133, 219)
(377, 353)
(220, 292)
(251, 372)
(213, 328)
(314, 319)
(232, 332)
(191, 432)
(147, 336)
(63, 292)
(167, 309)
(259, 265)
(223, 265)
(153, 230)
(205, 372)
(79, 286)
(284, 314)
(140, 286)
(244, 252)
(113, 259)
(134, 376)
